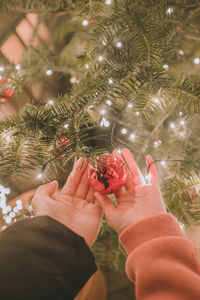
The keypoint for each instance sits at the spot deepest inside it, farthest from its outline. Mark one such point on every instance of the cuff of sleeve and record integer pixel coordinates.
(147, 229)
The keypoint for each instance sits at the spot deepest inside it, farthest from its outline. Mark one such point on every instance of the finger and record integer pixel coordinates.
(133, 167)
(152, 169)
(83, 186)
(106, 204)
(47, 189)
(118, 195)
(90, 195)
(74, 178)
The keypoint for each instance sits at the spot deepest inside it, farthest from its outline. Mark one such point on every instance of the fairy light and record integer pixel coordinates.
(8, 219)
(48, 72)
(130, 105)
(172, 125)
(182, 134)
(119, 151)
(100, 58)
(132, 136)
(170, 11)
(73, 80)
(196, 61)
(50, 101)
(18, 67)
(181, 52)
(163, 163)
(104, 122)
(166, 67)
(12, 214)
(110, 81)
(103, 43)
(157, 143)
(90, 107)
(103, 111)
(39, 176)
(8, 138)
(124, 131)
(156, 100)
(85, 22)
(108, 2)
(109, 102)
(87, 66)
(137, 113)
(180, 113)
(119, 44)
(66, 126)
(182, 122)
(1, 69)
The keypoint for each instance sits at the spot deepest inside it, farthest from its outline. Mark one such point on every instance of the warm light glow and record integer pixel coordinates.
(180, 113)
(170, 11)
(39, 176)
(50, 101)
(119, 44)
(85, 22)
(182, 122)
(48, 72)
(130, 105)
(108, 2)
(18, 67)
(87, 66)
(66, 126)
(124, 131)
(181, 52)
(172, 125)
(156, 100)
(132, 136)
(163, 163)
(196, 61)
(137, 113)
(109, 102)
(100, 58)
(110, 81)
(166, 67)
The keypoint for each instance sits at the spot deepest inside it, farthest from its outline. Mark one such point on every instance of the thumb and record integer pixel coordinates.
(152, 169)
(105, 203)
(47, 189)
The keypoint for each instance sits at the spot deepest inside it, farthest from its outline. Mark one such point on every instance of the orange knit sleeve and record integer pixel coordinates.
(161, 261)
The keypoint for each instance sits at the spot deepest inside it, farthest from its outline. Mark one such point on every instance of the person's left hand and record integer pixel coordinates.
(75, 207)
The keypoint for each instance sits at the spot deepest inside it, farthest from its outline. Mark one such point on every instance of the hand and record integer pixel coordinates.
(75, 207)
(139, 201)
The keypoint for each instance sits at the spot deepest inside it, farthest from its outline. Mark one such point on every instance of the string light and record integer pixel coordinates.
(182, 134)
(132, 136)
(124, 131)
(181, 52)
(166, 67)
(110, 81)
(8, 138)
(196, 61)
(1, 69)
(156, 100)
(50, 101)
(137, 113)
(87, 66)
(119, 44)
(103, 111)
(85, 22)
(48, 72)
(119, 151)
(66, 126)
(172, 125)
(105, 122)
(163, 163)
(73, 80)
(182, 122)
(170, 11)
(108, 2)
(39, 176)
(109, 102)
(130, 105)
(157, 143)
(90, 107)
(18, 67)
(100, 58)
(180, 113)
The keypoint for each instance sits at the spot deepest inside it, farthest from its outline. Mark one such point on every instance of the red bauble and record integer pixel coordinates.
(110, 174)
(6, 94)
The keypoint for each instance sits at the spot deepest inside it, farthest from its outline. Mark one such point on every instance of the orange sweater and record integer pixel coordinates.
(161, 261)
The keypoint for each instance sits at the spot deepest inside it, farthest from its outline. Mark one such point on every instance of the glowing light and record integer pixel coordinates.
(109, 102)
(18, 67)
(90, 107)
(180, 113)
(108, 2)
(100, 58)
(104, 123)
(19, 202)
(8, 138)
(50, 101)
(48, 72)
(196, 61)
(73, 80)
(85, 22)
(172, 125)
(15, 209)
(8, 220)
(137, 113)
(157, 143)
(66, 126)
(12, 214)
(166, 67)
(181, 52)
(119, 151)
(182, 122)
(39, 176)
(163, 163)
(110, 81)
(132, 136)
(119, 44)
(156, 100)
(170, 11)
(103, 43)
(1, 69)
(103, 111)
(87, 66)
(124, 131)
(182, 134)
(130, 105)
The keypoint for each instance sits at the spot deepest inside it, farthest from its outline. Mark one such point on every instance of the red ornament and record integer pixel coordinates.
(110, 174)
(6, 94)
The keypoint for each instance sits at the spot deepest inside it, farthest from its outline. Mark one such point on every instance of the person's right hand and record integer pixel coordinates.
(139, 201)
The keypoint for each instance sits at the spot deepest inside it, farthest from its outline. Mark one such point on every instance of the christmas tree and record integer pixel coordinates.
(114, 74)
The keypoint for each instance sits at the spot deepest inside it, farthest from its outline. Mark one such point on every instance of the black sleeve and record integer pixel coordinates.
(42, 259)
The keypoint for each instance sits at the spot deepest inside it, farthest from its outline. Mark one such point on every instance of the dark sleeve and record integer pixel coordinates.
(42, 259)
